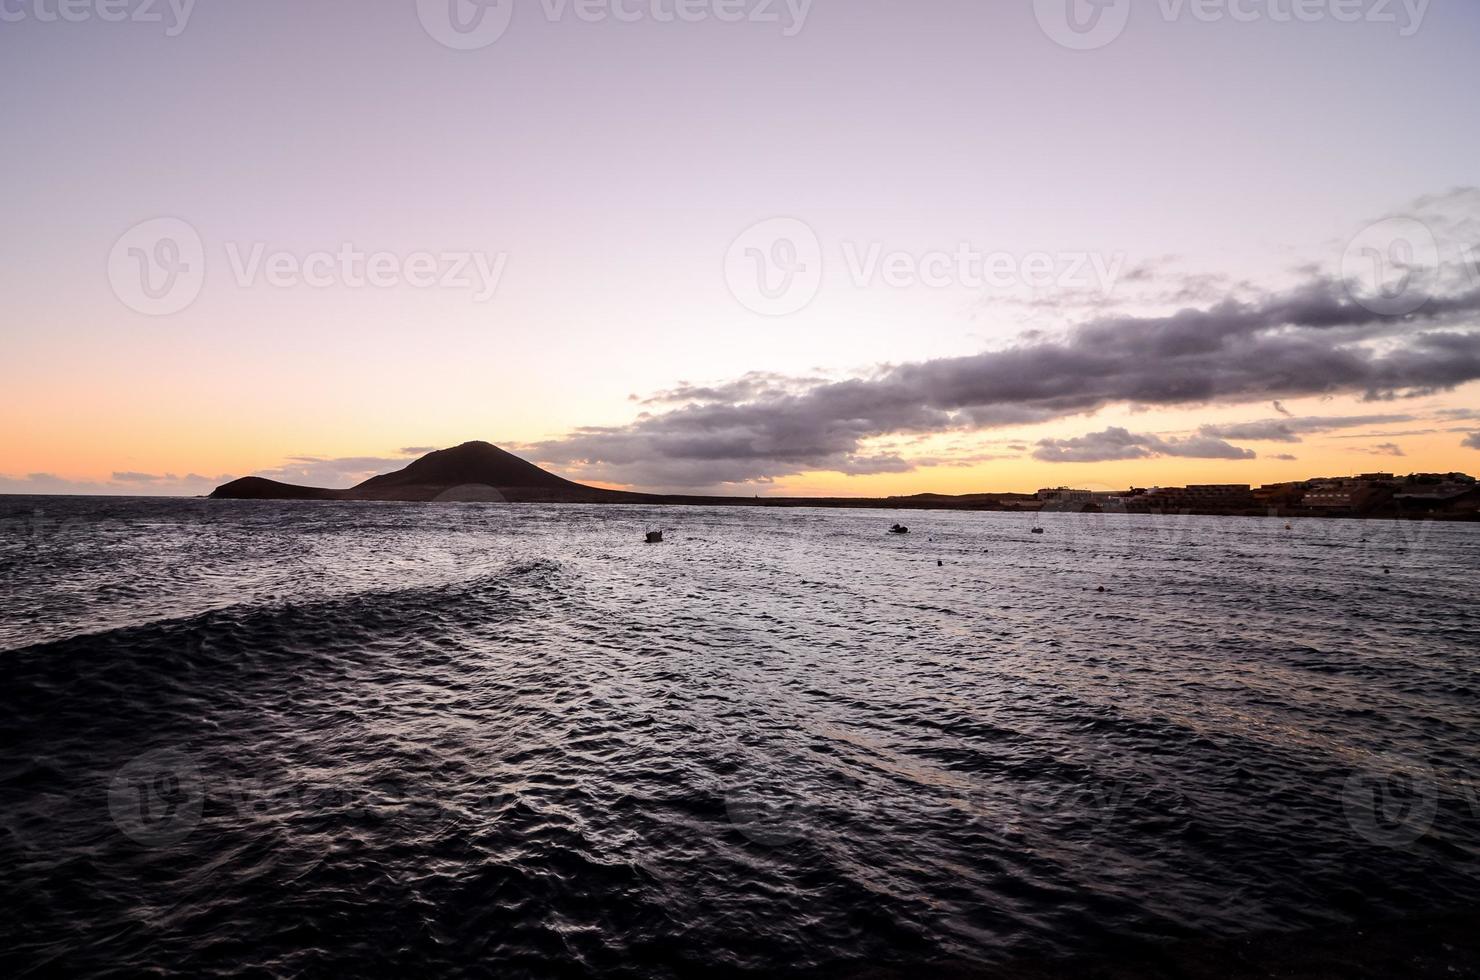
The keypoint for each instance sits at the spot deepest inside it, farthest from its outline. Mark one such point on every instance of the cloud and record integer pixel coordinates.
(1279, 407)
(1384, 449)
(1388, 435)
(1313, 340)
(1116, 443)
(417, 450)
(1471, 441)
(1285, 457)
(1291, 429)
(123, 482)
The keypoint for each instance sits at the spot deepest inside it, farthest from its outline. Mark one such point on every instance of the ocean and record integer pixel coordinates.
(306, 738)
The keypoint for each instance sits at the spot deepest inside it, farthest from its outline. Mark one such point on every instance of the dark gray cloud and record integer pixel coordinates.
(127, 477)
(1291, 429)
(749, 387)
(1471, 441)
(1313, 340)
(1384, 449)
(1116, 443)
(43, 483)
(1286, 457)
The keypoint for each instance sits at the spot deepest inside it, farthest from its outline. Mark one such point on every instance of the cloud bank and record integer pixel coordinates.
(1312, 340)
(1292, 429)
(1116, 443)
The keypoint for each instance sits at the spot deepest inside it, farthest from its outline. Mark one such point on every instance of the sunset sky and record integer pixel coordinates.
(742, 250)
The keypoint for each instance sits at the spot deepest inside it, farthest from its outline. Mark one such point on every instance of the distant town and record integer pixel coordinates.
(1449, 496)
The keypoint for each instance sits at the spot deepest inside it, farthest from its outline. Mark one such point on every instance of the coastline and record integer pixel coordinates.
(920, 502)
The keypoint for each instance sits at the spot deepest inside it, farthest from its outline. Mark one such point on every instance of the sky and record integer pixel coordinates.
(739, 246)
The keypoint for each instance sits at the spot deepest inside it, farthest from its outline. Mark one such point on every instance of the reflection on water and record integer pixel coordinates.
(400, 738)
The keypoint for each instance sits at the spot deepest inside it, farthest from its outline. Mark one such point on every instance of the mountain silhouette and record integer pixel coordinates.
(474, 471)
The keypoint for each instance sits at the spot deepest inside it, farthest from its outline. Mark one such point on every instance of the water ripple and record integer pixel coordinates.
(404, 739)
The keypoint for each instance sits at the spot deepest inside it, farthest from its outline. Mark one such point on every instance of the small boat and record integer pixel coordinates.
(899, 529)
(1038, 530)
(655, 537)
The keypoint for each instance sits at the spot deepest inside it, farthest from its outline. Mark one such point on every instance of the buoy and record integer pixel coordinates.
(655, 537)
(939, 563)
(1100, 589)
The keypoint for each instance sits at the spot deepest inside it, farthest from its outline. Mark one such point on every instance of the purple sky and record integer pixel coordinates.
(611, 164)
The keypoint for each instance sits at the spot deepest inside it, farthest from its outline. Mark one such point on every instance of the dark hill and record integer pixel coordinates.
(474, 471)
(257, 488)
(473, 464)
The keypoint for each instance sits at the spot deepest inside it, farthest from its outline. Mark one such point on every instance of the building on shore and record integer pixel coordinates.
(1439, 497)
(1205, 496)
(1276, 497)
(1355, 494)
(1064, 495)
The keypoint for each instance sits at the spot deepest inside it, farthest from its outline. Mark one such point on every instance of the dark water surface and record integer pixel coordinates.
(403, 739)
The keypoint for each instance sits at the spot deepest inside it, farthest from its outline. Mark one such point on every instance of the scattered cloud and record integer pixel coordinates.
(1388, 435)
(122, 482)
(1116, 443)
(417, 450)
(1291, 429)
(1471, 441)
(1284, 457)
(1383, 449)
